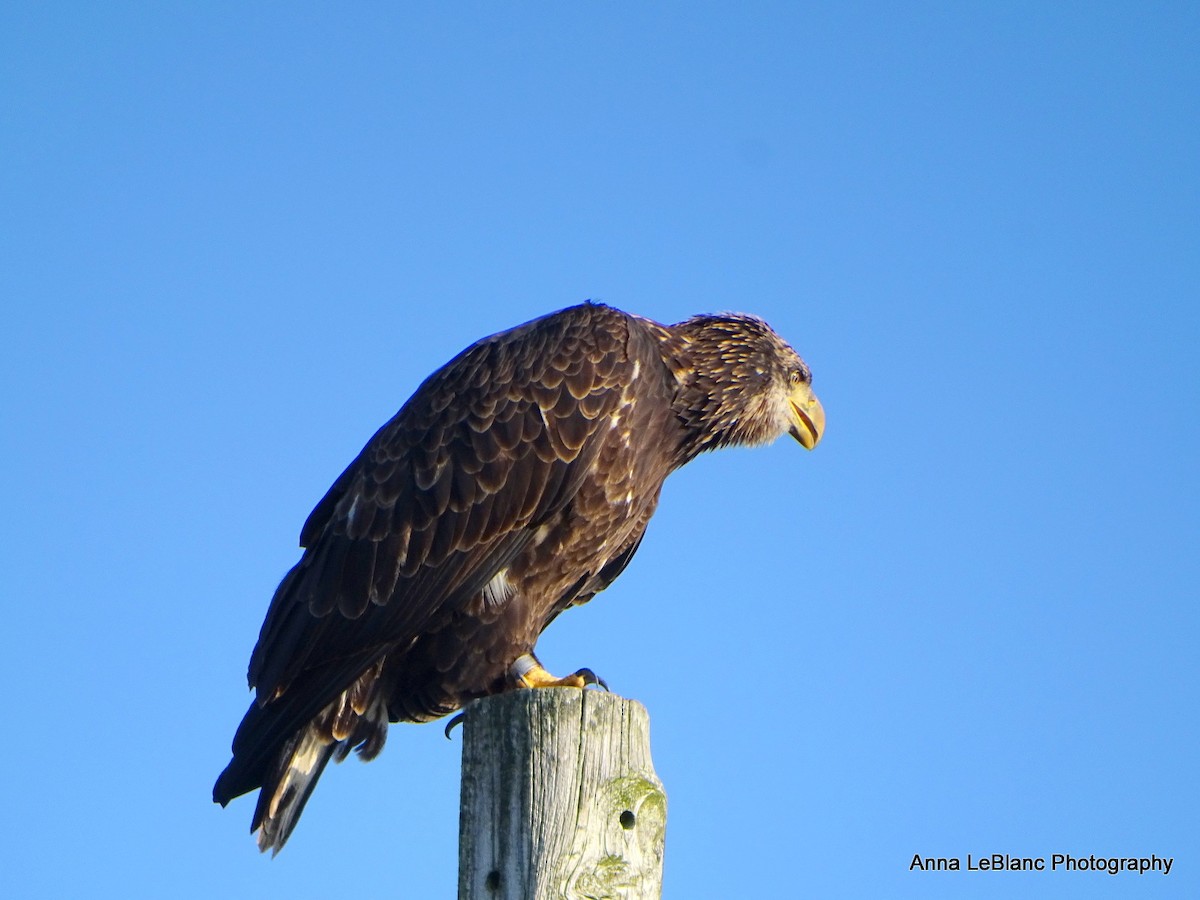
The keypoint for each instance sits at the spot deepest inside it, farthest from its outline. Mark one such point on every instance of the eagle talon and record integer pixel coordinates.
(587, 676)
(457, 720)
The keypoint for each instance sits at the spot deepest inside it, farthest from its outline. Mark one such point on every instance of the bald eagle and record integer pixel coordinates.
(516, 482)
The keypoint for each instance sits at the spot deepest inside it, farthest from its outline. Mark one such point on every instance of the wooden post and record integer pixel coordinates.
(559, 799)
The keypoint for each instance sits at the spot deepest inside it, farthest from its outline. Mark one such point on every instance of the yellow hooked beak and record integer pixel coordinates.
(808, 416)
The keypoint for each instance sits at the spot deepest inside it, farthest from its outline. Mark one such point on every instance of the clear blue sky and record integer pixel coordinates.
(233, 239)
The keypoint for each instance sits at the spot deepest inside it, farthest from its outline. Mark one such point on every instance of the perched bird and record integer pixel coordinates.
(516, 482)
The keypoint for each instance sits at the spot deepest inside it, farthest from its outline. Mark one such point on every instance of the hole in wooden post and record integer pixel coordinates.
(628, 819)
(492, 882)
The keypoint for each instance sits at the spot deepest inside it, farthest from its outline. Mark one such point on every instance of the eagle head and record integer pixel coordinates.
(742, 384)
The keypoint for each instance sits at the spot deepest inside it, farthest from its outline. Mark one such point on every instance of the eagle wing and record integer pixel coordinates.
(441, 498)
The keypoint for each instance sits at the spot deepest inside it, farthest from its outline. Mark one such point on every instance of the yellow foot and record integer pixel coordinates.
(528, 672)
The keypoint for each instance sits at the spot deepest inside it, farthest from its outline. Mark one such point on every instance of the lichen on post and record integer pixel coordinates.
(559, 799)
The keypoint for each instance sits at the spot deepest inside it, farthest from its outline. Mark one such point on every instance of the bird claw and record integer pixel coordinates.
(457, 720)
(587, 676)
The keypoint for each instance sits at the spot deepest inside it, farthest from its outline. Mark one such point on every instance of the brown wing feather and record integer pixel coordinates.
(441, 498)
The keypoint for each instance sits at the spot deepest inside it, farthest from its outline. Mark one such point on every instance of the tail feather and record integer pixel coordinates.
(288, 785)
(287, 766)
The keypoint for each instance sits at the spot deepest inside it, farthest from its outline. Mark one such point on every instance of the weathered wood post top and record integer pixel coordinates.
(559, 798)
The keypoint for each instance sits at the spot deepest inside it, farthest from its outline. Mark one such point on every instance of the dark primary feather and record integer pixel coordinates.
(516, 481)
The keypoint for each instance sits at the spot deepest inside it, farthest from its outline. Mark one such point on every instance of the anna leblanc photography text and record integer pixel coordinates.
(1002, 862)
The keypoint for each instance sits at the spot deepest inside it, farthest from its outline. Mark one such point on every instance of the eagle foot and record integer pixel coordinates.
(528, 672)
